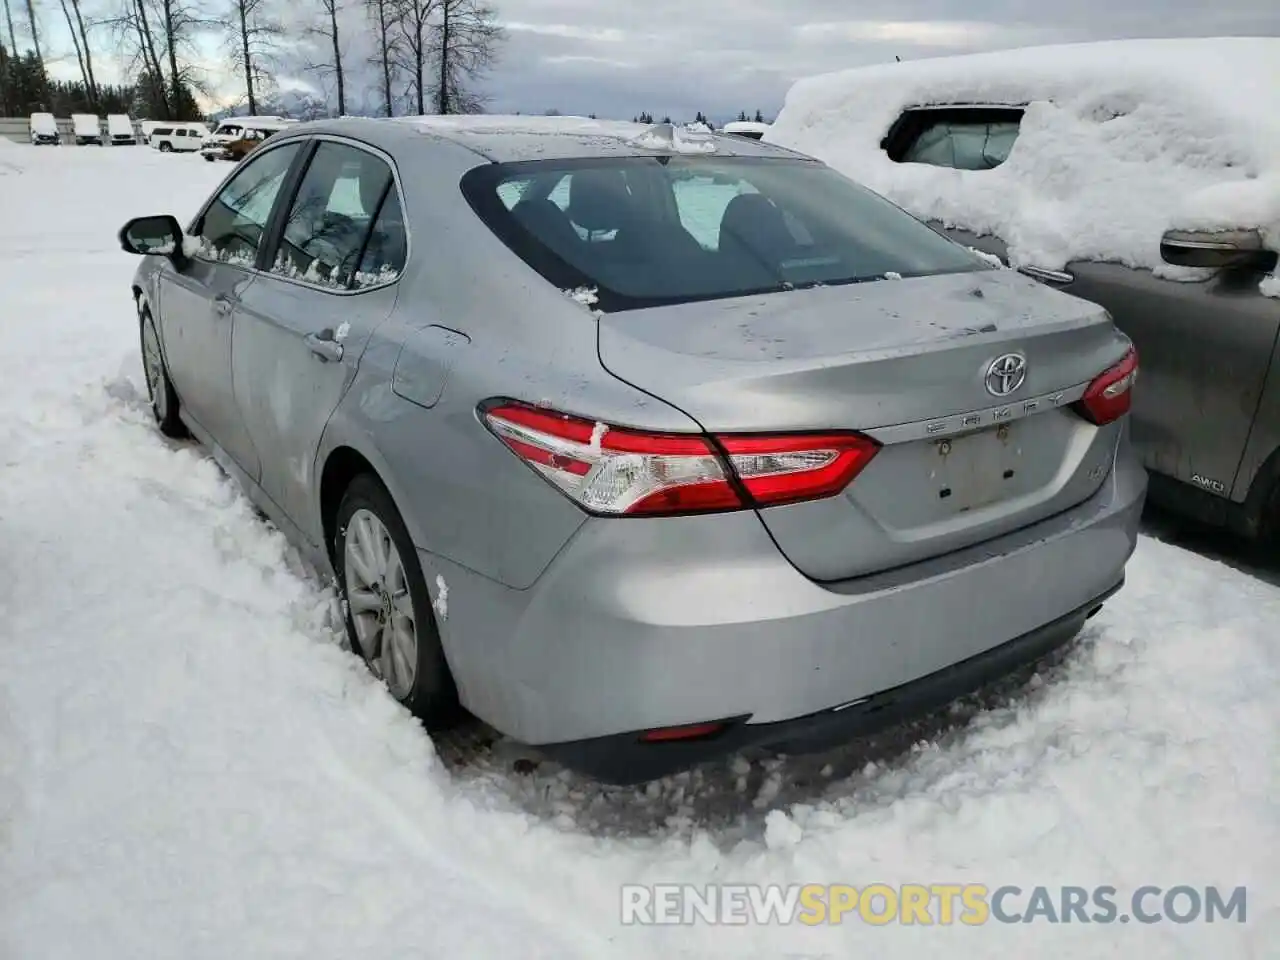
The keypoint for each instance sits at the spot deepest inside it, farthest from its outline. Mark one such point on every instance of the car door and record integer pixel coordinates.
(303, 326)
(1205, 347)
(198, 302)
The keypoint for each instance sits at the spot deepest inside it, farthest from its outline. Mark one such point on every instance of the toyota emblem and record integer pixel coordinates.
(1006, 374)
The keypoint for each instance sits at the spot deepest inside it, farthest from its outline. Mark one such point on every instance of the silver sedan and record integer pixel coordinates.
(642, 444)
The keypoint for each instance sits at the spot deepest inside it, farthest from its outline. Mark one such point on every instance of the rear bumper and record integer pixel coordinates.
(651, 623)
(624, 759)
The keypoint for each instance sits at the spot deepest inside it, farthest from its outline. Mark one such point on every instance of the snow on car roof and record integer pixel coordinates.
(1119, 141)
(506, 138)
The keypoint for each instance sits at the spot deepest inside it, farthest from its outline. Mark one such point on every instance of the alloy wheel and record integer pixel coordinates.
(381, 607)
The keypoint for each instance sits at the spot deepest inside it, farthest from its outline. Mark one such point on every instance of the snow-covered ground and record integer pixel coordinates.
(191, 766)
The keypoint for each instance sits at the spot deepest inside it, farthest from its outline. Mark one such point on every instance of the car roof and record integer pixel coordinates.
(504, 139)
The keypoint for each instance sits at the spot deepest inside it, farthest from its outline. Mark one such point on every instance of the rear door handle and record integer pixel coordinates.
(323, 345)
(222, 304)
(1047, 276)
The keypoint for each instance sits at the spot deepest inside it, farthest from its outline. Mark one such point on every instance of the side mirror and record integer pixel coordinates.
(1216, 250)
(153, 236)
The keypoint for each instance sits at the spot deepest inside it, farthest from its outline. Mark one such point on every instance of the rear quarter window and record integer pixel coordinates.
(959, 138)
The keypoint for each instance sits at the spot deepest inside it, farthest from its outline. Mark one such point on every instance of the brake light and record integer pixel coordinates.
(617, 471)
(1110, 395)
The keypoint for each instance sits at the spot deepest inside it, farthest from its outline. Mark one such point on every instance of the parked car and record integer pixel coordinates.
(87, 129)
(235, 137)
(1153, 172)
(179, 137)
(750, 129)
(632, 496)
(120, 130)
(44, 130)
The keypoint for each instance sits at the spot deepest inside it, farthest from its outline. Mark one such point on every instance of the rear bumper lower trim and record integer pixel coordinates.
(624, 759)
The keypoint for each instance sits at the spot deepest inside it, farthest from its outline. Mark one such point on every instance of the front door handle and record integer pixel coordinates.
(222, 304)
(323, 345)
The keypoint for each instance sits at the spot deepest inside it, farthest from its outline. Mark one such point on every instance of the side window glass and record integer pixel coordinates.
(964, 145)
(325, 231)
(384, 255)
(232, 228)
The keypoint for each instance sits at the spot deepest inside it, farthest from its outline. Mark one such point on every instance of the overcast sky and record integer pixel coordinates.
(618, 57)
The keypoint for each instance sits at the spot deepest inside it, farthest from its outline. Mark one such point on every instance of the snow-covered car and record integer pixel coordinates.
(87, 129)
(44, 130)
(120, 130)
(681, 443)
(1141, 175)
(178, 137)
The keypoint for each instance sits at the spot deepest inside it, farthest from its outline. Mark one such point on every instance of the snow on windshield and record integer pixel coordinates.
(1120, 141)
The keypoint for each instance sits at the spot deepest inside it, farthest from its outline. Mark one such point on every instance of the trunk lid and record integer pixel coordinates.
(905, 362)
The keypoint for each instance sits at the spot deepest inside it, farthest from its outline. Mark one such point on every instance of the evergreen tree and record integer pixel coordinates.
(742, 116)
(759, 117)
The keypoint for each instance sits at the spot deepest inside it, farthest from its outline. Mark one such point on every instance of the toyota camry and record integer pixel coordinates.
(643, 445)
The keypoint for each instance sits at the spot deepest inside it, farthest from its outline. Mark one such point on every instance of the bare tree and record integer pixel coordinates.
(35, 29)
(13, 37)
(413, 30)
(464, 42)
(253, 40)
(157, 38)
(327, 31)
(90, 83)
(80, 42)
(383, 13)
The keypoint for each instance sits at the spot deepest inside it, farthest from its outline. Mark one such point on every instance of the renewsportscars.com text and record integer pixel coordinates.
(935, 904)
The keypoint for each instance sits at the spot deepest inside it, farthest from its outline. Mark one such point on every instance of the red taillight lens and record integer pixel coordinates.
(1110, 396)
(618, 471)
(690, 731)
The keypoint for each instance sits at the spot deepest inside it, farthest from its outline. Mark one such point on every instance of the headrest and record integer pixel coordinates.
(753, 220)
(599, 200)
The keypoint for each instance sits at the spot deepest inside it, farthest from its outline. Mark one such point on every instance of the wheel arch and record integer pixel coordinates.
(1262, 505)
(342, 465)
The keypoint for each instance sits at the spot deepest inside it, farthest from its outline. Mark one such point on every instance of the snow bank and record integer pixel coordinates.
(1120, 142)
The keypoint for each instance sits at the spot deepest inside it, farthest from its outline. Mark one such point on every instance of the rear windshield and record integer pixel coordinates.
(646, 231)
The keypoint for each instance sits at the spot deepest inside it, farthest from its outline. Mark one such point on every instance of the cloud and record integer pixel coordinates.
(619, 57)
(960, 34)
(569, 31)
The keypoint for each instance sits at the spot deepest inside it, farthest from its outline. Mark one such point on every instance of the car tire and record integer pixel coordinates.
(1269, 529)
(367, 524)
(160, 391)
(165, 148)
(208, 157)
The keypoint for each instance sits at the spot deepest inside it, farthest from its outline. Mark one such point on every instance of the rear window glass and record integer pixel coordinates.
(647, 231)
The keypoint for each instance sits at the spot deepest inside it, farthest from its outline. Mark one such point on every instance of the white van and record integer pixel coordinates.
(87, 128)
(44, 129)
(234, 129)
(178, 137)
(120, 130)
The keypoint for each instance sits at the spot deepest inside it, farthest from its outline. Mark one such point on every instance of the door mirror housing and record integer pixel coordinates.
(1216, 250)
(153, 236)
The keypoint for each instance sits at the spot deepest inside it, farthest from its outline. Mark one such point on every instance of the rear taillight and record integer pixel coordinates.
(1110, 396)
(617, 471)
